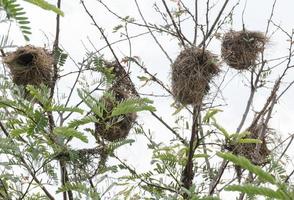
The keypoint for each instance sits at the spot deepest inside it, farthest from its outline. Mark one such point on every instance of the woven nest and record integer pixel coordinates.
(30, 65)
(122, 88)
(240, 49)
(191, 73)
(114, 128)
(256, 153)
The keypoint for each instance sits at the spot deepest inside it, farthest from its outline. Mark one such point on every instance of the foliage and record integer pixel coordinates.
(50, 144)
(16, 12)
(281, 192)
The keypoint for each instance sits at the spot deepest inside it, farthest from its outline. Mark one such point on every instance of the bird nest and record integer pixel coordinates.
(113, 128)
(240, 49)
(122, 88)
(256, 153)
(191, 73)
(30, 65)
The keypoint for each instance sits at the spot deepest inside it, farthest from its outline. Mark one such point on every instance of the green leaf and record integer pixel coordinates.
(15, 11)
(210, 113)
(255, 190)
(65, 109)
(46, 6)
(246, 164)
(107, 72)
(209, 198)
(41, 94)
(114, 145)
(132, 106)
(83, 121)
(60, 57)
(222, 130)
(80, 188)
(202, 155)
(96, 106)
(249, 141)
(237, 136)
(17, 132)
(70, 132)
(143, 78)
(116, 28)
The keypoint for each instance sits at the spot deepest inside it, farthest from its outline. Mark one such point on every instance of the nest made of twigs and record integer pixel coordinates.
(240, 49)
(113, 128)
(191, 73)
(30, 65)
(256, 153)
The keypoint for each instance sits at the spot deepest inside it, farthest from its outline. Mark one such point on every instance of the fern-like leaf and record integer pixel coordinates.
(16, 12)
(115, 145)
(61, 108)
(85, 120)
(69, 133)
(46, 6)
(105, 71)
(80, 188)
(246, 164)
(60, 57)
(254, 190)
(132, 105)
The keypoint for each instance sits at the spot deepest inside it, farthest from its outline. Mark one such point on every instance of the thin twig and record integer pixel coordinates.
(214, 23)
(152, 34)
(180, 35)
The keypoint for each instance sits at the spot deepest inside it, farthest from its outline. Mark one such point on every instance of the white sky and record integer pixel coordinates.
(76, 27)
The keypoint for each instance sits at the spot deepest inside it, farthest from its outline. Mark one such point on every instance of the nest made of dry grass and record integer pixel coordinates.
(122, 88)
(240, 49)
(256, 153)
(30, 65)
(114, 128)
(192, 71)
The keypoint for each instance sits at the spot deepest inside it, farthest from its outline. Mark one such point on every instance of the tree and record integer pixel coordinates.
(82, 133)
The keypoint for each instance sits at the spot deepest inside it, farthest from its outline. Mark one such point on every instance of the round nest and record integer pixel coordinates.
(256, 153)
(191, 73)
(113, 128)
(240, 49)
(30, 65)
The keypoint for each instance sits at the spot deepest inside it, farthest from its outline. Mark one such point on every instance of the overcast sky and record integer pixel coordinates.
(76, 28)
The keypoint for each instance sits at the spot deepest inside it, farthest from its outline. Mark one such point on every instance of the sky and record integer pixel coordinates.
(77, 30)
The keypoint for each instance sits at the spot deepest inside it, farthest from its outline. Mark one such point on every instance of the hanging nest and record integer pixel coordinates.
(30, 65)
(191, 73)
(256, 153)
(118, 127)
(113, 128)
(240, 49)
